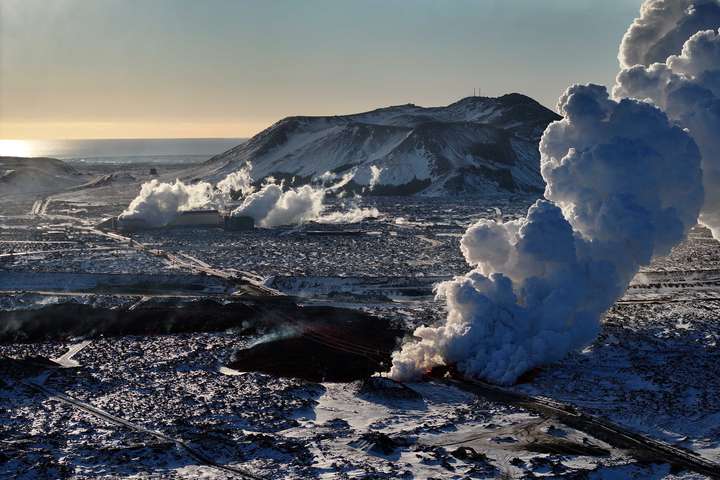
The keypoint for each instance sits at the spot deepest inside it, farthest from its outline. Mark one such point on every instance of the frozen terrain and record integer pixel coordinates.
(17, 175)
(165, 406)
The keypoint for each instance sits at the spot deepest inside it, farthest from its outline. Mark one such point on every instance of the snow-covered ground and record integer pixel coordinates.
(477, 144)
(653, 368)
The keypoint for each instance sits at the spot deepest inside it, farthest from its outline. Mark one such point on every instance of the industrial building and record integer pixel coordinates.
(196, 219)
(189, 219)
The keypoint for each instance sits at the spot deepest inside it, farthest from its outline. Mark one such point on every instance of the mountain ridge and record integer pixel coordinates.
(474, 145)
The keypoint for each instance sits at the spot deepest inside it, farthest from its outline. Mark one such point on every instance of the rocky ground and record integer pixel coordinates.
(652, 369)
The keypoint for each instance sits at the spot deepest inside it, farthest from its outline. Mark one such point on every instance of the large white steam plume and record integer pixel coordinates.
(663, 27)
(685, 82)
(623, 184)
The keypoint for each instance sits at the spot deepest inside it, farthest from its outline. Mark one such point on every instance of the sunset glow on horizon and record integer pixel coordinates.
(220, 68)
(128, 130)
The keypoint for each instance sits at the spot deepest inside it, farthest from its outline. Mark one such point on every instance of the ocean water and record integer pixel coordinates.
(122, 151)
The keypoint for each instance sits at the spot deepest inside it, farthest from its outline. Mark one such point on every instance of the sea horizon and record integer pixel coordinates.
(120, 150)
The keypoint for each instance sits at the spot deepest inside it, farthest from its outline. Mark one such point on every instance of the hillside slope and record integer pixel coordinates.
(19, 175)
(475, 145)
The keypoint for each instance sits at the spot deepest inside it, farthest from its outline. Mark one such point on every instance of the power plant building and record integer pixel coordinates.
(189, 219)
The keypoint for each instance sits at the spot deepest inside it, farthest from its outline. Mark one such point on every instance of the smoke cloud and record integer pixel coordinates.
(623, 185)
(686, 83)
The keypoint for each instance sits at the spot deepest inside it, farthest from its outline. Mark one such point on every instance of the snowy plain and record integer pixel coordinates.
(649, 370)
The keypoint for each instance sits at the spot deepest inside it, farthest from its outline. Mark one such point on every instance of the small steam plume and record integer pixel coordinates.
(237, 183)
(332, 181)
(158, 203)
(623, 185)
(375, 173)
(685, 82)
(350, 212)
(272, 205)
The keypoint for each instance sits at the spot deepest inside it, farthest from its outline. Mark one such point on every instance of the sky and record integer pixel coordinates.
(230, 68)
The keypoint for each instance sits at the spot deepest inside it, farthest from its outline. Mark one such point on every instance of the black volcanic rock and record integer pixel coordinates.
(328, 345)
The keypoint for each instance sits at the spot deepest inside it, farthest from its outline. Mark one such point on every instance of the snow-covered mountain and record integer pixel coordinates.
(20, 175)
(476, 145)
